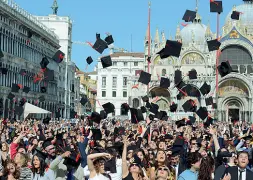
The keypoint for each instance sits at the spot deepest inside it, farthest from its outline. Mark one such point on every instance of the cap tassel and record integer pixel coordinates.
(213, 1)
(89, 44)
(183, 92)
(135, 86)
(183, 24)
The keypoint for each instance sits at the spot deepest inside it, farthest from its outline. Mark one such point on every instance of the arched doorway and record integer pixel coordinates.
(164, 97)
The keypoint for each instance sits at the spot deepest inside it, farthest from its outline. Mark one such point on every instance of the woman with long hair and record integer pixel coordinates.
(39, 167)
(206, 169)
(10, 172)
(21, 161)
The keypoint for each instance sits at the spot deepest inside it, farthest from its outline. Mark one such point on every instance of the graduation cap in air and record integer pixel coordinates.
(224, 68)
(26, 89)
(143, 109)
(144, 78)
(58, 56)
(19, 110)
(44, 62)
(216, 6)
(125, 108)
(213, 45)
(106, 61)
(205, 88)
(192, 119)
(109, 40)
(136, 116)
(89, 60)
(180, 123)
(189, 106)
(136, 160)
(15, 88)
(10, 96)
(97, 135)
(149, 59)
(214, 106)
(40, 154)
(42, 98)
(145, 98)
(235, 15)
(173, 107)
(49, 75)
(193, 74)
(160, 115)
(202, 113)
(4, 70)
(172, 48)
(103, 114)
(164, 83)
(208, 122)
(100, 45)
(177, 77)
(95, 117)
(189, 16)
(209, 101)
(43, 89)
(22, 102)
(154, 108)
(108, 107)
(46, 120)
(83, 100)
(29, 34)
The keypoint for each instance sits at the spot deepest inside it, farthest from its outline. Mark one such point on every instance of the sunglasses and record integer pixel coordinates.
(132, 165)
(163, 169)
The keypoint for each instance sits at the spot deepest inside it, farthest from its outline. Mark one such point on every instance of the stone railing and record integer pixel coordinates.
(27, 19)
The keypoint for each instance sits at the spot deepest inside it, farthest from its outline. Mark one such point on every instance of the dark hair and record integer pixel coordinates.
(206, 168)
(242, 152)
(192, 158)
(193, 139)
(16, 174)
(43, 166)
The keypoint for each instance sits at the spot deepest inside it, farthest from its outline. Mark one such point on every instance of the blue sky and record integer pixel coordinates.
(122, 18)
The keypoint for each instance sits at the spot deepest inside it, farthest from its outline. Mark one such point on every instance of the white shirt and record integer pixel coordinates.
(243, 174)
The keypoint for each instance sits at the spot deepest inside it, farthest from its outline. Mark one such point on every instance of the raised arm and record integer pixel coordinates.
(125, 171)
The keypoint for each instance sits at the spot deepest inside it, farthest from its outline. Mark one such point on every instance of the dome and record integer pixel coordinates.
(246, 18)
(194, 31)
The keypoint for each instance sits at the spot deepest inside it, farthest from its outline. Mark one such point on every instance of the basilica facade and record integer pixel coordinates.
(234, 96)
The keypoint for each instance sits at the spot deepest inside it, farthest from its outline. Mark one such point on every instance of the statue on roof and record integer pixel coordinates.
(55, 7)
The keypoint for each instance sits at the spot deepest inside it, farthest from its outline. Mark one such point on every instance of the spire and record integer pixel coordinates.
(55, 7)
(178, 34)
(163, 38)
(208, 31)
(197, 4)
(234, 8)
(157, 38)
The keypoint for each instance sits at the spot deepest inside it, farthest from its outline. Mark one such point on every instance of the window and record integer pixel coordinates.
(114, 63)
(124, 81)
(125, 63)
(103, 81)
(114, 81)
(135, 63)
(124, 94)
(163, 72)
(113, 93)
(135, 103)
(103, 93)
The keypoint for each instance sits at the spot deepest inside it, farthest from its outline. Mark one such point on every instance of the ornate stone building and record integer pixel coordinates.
(235, 89)
(21, 53)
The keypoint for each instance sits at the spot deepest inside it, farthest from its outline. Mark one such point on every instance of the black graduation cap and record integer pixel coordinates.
(189, 15)
(19, 110)
(208, 122)
(134, 114)
(22, 102)
(43, 89)
(145, 98)
(89, 60)
(180, 123)
(47, 143)
(44, 62)
(144, 78)
(42, 98)
(173, 107)
(73, 114)
(209, 101)
(177, 77)
(192, 119)
(49, 75)
(202, 113)
(97, 36)
(154, 108)
(106, 61)
(164, 83)
(214, 106)
(83, 100)
(193, 74)
(97, 135)
(149, 58)
(205, 88)
(247, 137)
(125, 108)
(95, 117)
(1, 53)
(58, 56)
(10, 96)
(137, 160)
(4, 70)
(216, 6)
(172, 48)
(103, 114)
(15, 88)
(29, 34)
(235, 15)
(109, 40)
(213, 45)
(26, 89)
(108, 107)
(224, 68)
(189, 106)
(180, 95)
(100, 45)
(46, 120)
(110, 165)
(160, 115)
(143, 109)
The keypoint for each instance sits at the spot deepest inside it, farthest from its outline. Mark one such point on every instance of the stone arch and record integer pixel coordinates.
(136, 103)
(195, 58)
(158, 91)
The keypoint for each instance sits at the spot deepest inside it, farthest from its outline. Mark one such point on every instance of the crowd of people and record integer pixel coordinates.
(120, 150)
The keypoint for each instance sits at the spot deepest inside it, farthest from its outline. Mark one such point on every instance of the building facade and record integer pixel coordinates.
(67, 92)
(113, 82)
(23, 53)
(234, 90)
